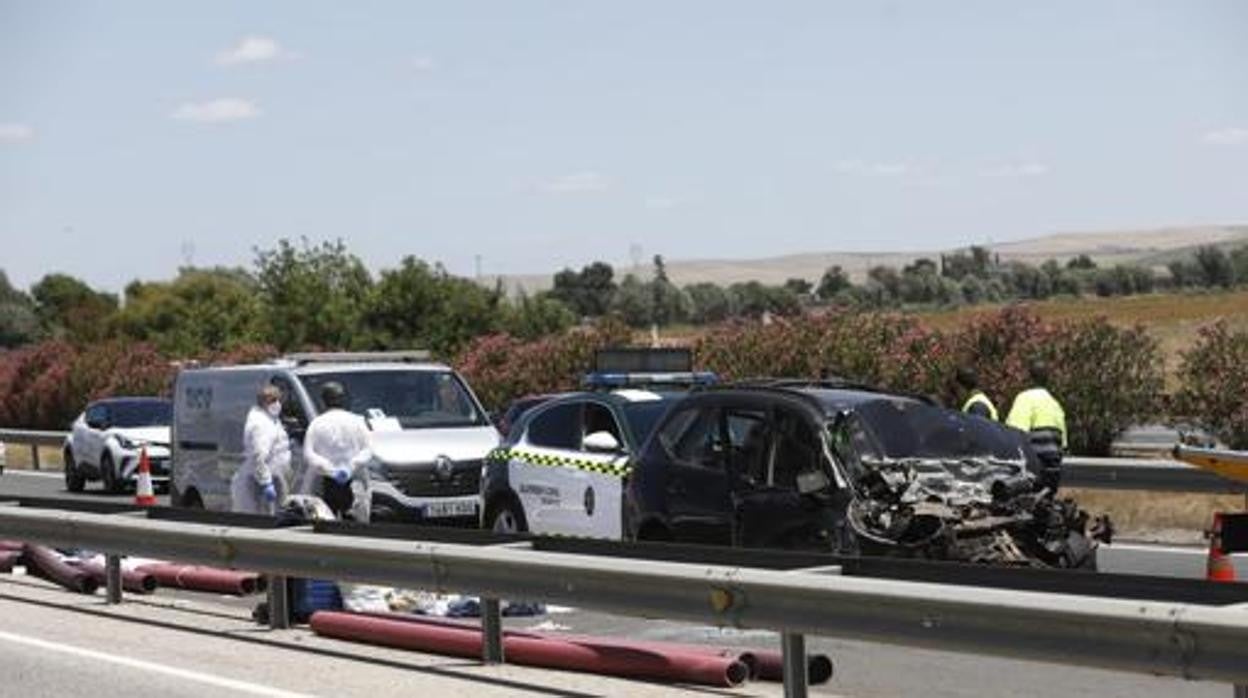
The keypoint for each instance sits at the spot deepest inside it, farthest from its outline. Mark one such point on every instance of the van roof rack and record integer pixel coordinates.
(357, 357)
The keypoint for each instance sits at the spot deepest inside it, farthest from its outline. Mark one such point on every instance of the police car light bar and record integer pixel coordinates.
(356, 357)
(621, 360)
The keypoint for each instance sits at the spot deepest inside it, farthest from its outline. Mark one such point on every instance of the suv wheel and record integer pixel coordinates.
(108, 473)
(74, 481)
(508, 518)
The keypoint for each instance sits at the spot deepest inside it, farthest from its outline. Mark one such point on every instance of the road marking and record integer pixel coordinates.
(31, 473)
(228, 684)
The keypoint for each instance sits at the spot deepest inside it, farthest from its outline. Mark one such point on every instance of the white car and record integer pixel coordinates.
(106, 440)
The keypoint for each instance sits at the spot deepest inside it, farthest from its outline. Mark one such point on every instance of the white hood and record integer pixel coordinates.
(158, 435)
(414, 446)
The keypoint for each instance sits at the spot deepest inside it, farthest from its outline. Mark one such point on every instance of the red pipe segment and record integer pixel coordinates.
(47, 563)
(131, 580)
(7, 545)
(209, 579)
(527, 649)
(8, 559)
(764, 665)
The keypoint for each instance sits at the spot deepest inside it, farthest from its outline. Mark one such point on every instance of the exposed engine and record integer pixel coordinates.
(970, 510)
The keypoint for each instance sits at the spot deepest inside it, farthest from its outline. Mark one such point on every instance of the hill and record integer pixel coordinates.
(1153, 247)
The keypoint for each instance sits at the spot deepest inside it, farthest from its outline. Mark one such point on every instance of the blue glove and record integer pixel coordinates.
(269, 492)
(342, 475)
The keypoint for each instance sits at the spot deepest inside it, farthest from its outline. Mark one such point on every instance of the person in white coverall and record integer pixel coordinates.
(336, 453)
(262, 481)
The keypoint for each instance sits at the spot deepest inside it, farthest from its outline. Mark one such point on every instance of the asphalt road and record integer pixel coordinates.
(862, 669)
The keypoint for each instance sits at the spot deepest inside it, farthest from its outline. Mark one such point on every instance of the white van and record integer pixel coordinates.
(430, 433)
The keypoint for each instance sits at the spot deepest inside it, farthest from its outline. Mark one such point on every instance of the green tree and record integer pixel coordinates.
(588, 292)
(530, 317)
(18, 322)
(833, 282)
(1081, 262)
(709, 303)
(799, 287)
(67, 307)
(312, 296)
(202, 310)
(633, 302)
(1215, 267)
(422, 306)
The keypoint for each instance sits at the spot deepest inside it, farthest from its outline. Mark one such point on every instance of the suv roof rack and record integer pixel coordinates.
(356, 357)
(819, 383)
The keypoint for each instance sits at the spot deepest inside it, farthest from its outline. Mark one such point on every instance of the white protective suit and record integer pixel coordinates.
(339, 439)
(266, 459)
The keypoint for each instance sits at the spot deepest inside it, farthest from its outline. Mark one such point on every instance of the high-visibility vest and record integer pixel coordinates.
(978, 397)
(1036, 408)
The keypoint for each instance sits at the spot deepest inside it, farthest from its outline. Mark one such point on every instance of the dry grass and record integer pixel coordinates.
(1169, 516)
(18, 457)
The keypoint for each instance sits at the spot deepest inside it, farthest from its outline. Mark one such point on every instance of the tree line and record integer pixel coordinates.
(300, 295)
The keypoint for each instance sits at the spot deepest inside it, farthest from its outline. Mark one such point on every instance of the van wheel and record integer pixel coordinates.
(74, 481)
(108, 473)
(508, 518)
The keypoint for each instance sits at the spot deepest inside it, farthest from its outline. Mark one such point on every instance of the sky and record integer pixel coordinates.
(138, 136)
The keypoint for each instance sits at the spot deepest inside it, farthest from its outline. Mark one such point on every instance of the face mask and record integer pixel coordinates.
(274, 409)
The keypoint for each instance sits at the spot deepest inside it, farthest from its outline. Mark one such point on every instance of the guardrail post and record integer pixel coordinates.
(34, 456)
(795, 679)
(112, 577)
(1241, 690)
(491, 631)
(279, 602)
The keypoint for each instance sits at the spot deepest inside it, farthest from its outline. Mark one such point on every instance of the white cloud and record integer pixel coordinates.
(217, 111)
(1016, 169)
(253, 49)
(874, 169)
(422, 64)
(576, 183)
(15, 133)
(1226, 136)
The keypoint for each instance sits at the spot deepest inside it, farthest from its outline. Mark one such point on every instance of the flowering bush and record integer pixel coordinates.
(1214, 376)
(46, 385)
(500, 367)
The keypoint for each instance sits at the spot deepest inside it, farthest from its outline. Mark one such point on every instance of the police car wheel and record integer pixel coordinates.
(507, 519)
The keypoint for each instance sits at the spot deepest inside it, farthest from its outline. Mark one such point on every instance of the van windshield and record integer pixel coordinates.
(416, 399)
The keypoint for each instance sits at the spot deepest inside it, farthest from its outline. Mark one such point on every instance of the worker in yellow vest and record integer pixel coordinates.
(1038, 413)
(978, 402)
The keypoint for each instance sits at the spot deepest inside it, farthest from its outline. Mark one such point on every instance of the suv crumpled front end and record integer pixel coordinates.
(979, 510)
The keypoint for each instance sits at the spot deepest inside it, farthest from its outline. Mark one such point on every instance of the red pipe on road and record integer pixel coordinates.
(527, 649)
(131, 580)
(764, 665)
(209, 579)
(7, 545)
(47, 563)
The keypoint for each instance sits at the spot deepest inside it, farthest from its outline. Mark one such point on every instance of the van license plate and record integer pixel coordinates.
(440, 510)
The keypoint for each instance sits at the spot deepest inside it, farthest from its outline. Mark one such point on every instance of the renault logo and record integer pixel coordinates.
(443, 468)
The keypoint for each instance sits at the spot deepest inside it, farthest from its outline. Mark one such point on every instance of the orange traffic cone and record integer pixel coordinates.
(143, 494)
(1219, 567)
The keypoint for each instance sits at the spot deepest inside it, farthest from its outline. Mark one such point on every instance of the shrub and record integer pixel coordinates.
(501, 367)
(1214, 377)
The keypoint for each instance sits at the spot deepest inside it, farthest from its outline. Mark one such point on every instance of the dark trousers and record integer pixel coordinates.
(1047, 445)
(338, 498)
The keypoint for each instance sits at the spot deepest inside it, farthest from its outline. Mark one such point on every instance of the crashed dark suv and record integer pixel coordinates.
(851, 470)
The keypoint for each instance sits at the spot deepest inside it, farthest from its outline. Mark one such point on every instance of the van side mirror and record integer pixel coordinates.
(602, 442)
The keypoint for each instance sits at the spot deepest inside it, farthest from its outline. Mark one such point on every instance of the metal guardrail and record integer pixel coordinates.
(1145, 474)
(1149, 637)
(34, 439)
